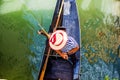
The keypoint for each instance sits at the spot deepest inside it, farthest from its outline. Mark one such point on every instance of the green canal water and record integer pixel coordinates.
(21, 48)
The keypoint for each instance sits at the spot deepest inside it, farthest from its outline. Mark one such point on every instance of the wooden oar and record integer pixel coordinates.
(59, 15)
(49, 49)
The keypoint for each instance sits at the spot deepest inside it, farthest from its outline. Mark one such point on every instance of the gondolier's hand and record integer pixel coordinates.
(64, 56)
(40, 32)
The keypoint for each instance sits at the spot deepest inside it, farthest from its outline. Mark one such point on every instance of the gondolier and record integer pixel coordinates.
(64, 47)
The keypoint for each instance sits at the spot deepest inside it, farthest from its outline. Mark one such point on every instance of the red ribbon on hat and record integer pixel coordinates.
(53, 39)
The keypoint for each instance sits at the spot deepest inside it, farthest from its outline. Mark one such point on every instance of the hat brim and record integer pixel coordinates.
(62, 44)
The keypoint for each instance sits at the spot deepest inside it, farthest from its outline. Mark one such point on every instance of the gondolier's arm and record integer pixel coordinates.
(63, 55)
(72, 51)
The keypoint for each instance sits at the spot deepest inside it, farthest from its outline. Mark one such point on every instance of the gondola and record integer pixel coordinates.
(53, 66)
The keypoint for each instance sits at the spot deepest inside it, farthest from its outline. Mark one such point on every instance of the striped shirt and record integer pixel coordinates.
(71, 43)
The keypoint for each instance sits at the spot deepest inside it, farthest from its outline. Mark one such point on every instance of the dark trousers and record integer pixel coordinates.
(59, 69)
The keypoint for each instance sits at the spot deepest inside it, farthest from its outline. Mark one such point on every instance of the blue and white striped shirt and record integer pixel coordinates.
(71, 43)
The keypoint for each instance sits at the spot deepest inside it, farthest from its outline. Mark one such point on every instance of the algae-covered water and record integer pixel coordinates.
(100, 29)
(21, 48)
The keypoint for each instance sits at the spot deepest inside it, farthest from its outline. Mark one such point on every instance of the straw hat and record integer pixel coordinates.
(58, 40)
